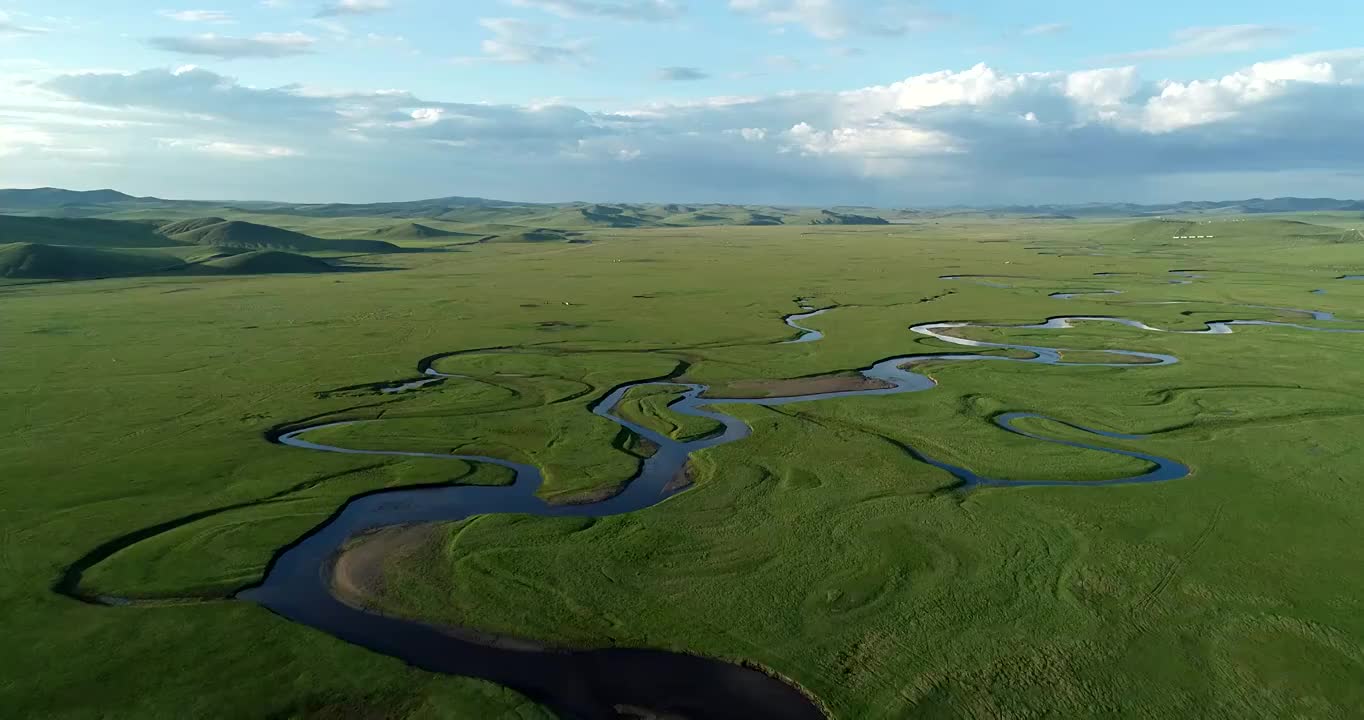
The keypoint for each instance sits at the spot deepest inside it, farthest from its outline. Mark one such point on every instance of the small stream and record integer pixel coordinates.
(807, 335)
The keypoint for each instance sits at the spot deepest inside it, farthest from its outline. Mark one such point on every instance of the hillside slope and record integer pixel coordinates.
(263, 262)
(251, 236)
(58, 262)
(414, 232)
(47, 197)
(81, 231)
(829, 217)
(538, 235)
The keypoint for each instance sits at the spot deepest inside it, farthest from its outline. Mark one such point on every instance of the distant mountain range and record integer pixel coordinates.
(43, 198)
(479, 215)
(579, 215)
(1253, 205)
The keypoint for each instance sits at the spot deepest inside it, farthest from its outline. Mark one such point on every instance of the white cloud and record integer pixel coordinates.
(749, 134)
(520, 42)
(198, 16)
(227, 47)
(1214, 40)
(885, 149)
(335, 28)
(964, 133)
(222, 148)
(421, 117)
(12, 28)
(783, 62)
(834, 19)
(354, 7)
(632, 10)
(14, 139)
(1202, 102)
(44, 145)
(1046, 29)
(977, 86)
(1106, 87)
(681, 74)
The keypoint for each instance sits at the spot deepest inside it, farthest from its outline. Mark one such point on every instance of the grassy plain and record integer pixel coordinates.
(133, 443)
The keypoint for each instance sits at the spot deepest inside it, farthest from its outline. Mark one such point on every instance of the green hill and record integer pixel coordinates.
(238, 233)
(251, 236)
(60, 262)
(537, 235)
(432, 208)
(81, 231)
(414, 231)
(728, 215)
(595, 216)
(829, 217)
(262, 262)
(186, 226)
(47, 197)
(613, 216)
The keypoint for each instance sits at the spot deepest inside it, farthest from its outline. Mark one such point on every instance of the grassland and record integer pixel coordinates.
(134, 454)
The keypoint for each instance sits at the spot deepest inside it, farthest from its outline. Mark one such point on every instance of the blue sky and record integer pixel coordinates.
(891, 102)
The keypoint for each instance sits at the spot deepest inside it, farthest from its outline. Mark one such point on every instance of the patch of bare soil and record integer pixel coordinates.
(682, 479)
(358, 569)
(357, 578)
(587, 497)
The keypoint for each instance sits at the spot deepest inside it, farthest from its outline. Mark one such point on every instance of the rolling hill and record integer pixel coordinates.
(206, 231)
(416, 231)
(111, 204)
(431, 208)
(47, 197)
(251, 236)
(1253, 206)
(59, 262)
(726, 215)
(538, 235)
(83, 232)
(829, 217)
(182, 227)
(262, 262)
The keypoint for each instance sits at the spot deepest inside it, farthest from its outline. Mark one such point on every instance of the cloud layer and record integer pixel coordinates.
(197, 16)
(1215, 40)
(972, 134)
(353, 7)
(835, 19)
(12, 28)
(520, 42)
(227, 47)
(631, 10)
(679, 73)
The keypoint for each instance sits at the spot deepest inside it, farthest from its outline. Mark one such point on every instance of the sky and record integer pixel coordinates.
(891, 103)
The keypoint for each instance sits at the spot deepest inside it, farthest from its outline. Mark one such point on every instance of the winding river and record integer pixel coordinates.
(807, 335)
(592, 684)
(1079, 293)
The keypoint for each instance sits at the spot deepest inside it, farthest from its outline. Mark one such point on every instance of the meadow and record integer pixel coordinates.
(137, 467)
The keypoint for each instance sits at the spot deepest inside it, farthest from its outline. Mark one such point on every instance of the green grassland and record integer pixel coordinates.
(136, 466)
(648, 406)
